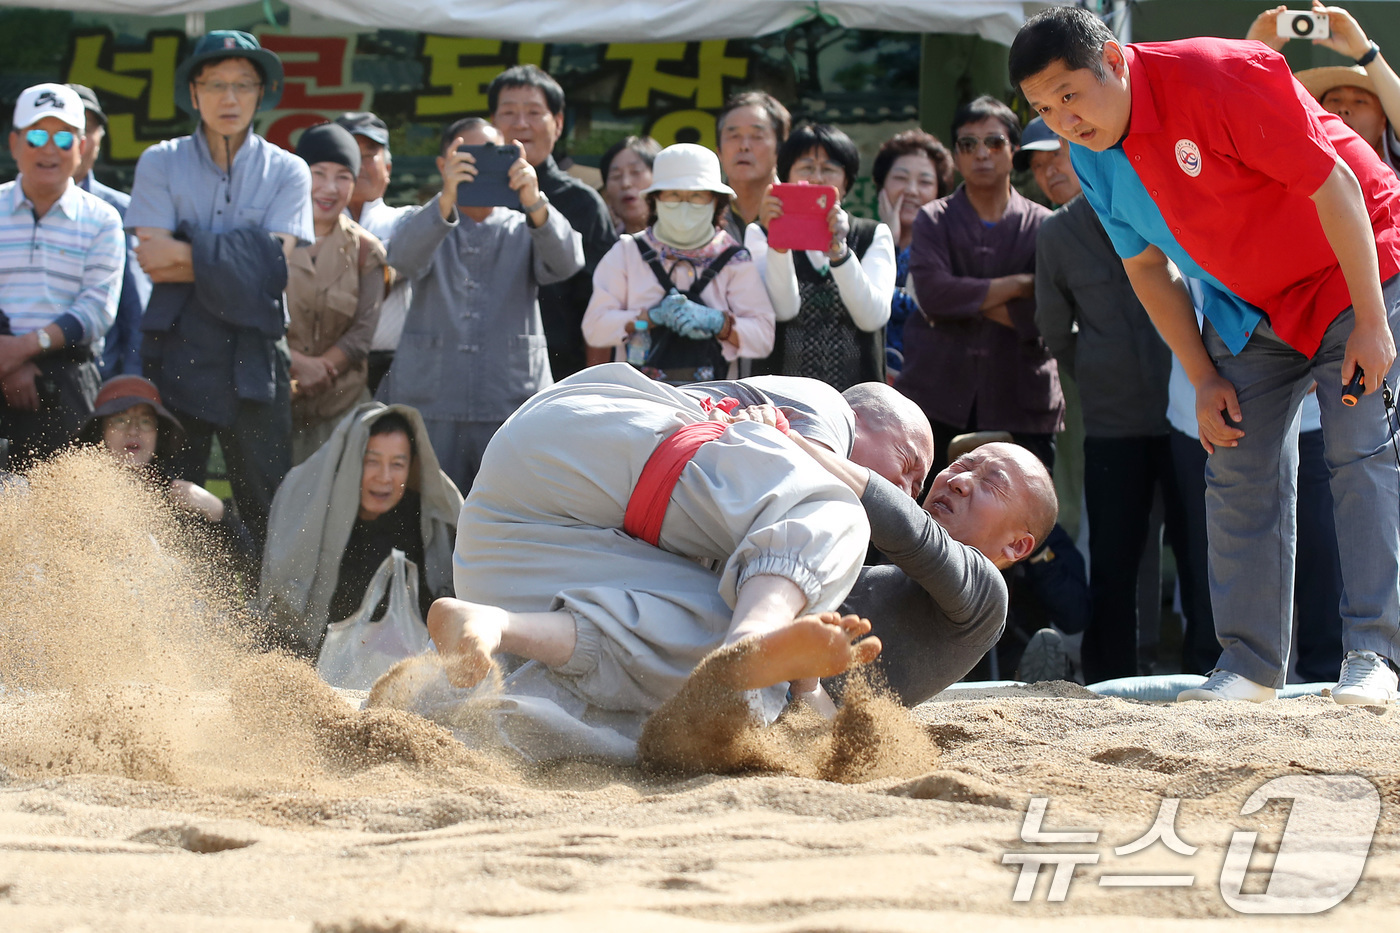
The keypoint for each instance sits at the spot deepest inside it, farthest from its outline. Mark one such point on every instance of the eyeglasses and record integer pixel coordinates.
(63, 139)
(220, 88)
(994, 143)
(141, 423)
(690, 197)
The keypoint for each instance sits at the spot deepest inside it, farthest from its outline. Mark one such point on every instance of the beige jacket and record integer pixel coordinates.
(334, 301)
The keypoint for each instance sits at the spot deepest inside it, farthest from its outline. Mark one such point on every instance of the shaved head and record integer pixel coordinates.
(893, 437)
(997, 498)
(1042, 504)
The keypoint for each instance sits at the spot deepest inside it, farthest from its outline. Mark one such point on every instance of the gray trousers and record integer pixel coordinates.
(542, 530)
(1251, 493)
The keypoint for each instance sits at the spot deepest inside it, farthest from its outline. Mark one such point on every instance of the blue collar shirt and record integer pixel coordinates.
(1134, 222)
(177, 181)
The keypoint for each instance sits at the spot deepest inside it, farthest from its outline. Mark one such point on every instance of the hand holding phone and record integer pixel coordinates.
(804, 221)
(489, 184)
(525, 182)
(458, 168)
(1300, 24)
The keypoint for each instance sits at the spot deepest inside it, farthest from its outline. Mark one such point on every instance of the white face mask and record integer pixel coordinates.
(684, 225)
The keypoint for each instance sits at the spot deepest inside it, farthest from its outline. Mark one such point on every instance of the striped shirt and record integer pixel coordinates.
(65, 267)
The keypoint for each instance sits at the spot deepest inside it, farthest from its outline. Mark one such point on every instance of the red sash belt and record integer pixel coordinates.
(646, 508)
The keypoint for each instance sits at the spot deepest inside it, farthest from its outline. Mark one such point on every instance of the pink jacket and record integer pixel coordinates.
(624, 286)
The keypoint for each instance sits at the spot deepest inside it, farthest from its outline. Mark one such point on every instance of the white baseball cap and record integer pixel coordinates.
(687, 167)
(49, 100)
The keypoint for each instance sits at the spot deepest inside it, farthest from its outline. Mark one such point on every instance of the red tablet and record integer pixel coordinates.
(803, 224)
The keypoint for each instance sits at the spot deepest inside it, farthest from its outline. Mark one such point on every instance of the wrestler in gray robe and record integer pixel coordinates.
(542, 530)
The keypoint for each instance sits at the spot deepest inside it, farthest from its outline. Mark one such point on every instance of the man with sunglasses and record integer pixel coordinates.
(61, 259)
(973, 358)
(217, 213)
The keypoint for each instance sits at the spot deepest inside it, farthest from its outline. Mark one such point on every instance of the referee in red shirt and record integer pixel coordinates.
(1205, 157)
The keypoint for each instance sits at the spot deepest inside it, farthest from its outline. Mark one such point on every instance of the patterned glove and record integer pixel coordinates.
(665, 313)
(698, 321)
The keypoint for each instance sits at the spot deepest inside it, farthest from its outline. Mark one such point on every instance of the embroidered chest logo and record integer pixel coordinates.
(1188, 157)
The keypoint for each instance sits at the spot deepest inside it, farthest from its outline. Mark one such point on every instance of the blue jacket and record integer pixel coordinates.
(121, 354)
(217, 340)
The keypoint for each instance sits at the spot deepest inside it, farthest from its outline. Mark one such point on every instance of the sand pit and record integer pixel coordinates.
(157, 774)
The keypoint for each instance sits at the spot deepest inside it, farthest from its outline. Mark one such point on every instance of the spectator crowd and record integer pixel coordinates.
(353, 359)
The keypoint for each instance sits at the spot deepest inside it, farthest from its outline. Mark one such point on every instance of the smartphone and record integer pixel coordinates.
(491, 187)
(803, 224)
(1295, 24)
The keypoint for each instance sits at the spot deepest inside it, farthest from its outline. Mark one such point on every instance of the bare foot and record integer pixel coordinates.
(466, 635)
(811, 647)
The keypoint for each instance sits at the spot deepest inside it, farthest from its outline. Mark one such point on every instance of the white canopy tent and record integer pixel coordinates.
(614, 20)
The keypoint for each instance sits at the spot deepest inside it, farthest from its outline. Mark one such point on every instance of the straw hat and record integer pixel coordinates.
(1319, 81)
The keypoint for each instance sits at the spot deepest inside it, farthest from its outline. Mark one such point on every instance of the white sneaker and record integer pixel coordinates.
(1366, 680)
(1224, 685)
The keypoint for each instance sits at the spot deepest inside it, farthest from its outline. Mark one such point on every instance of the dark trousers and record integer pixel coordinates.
(1042, 445)
(257, 450)
(1121, 477)
(379, 363)
(1317, 583)
(1200, 649)
(67, 384)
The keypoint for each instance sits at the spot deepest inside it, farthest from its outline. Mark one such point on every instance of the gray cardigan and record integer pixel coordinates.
(473, 347)
(1121, 364)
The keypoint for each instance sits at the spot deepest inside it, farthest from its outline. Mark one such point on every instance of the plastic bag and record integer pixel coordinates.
(358, 650)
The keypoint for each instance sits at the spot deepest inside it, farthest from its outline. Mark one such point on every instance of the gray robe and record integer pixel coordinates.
(542, 530)
(473, 347)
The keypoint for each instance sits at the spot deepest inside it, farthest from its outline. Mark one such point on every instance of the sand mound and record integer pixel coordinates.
(708, 727)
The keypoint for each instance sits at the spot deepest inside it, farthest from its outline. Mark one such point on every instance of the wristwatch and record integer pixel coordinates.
(531, 208)
(45, 341)
(1370, 55)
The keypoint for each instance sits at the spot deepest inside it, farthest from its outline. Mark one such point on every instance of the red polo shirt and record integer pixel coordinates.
(1231, 148)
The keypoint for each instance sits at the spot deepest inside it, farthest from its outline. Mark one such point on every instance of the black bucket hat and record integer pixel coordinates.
(230, 43)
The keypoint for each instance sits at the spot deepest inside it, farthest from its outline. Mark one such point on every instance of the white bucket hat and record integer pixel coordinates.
(49, 100)
(687, 167)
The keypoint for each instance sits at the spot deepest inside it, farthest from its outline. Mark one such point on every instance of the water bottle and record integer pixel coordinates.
(639, 344)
